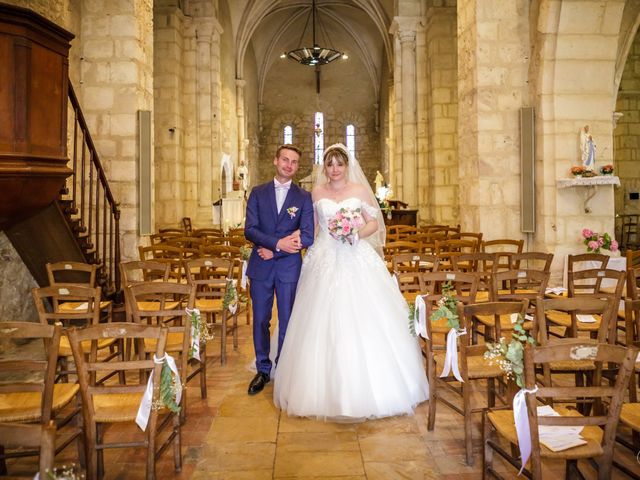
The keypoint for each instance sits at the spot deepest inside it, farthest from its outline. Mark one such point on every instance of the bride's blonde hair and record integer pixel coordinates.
(334, 153)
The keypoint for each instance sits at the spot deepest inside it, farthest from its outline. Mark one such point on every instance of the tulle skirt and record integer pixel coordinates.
(348, 354)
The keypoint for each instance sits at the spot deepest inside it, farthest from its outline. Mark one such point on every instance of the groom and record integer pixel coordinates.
(279, 222)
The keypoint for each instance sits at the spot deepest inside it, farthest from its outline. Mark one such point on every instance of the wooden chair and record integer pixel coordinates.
(586, 283)
(427, 241)
(109, 405)
(158, 238)
(207, 232)
(39, 401)
(465, 286)
(407, 268)
(40, 437)
(469, 236)
(483, 264)
(212, 279)
(144, 271)
(165, 304)
(237, 241)
(399, 246)
(474, 366)
(520, 285)
(633, 258)
(448, 230)
(218, 250)
(170, 254)
(446, 249)
(532, 261)
(599, 429)
(630, 414)
(87, 312)
(400, 232)
(503, 248)
(79, 274)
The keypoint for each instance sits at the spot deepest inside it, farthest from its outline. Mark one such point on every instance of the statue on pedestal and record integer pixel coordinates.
(588, 149)
(243, 176)
(379, 180)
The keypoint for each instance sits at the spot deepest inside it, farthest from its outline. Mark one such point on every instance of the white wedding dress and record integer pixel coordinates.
(348, 354)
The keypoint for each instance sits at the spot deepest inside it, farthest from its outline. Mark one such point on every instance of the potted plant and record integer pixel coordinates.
(578, 171)
(606, 169)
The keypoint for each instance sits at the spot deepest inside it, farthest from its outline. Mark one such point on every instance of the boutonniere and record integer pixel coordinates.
(292, 211)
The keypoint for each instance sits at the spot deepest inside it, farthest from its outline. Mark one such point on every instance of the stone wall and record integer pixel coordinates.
(16, 282)
(346, 97)
(117, 82)
(439, 180)
(627, 133)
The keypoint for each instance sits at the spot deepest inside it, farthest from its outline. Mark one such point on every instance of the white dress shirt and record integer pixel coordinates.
(281, 192)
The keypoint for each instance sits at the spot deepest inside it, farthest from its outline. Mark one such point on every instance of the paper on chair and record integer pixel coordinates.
(557, 438)
(586, 318)
(82, 306)
(556, 290)
(513, 317)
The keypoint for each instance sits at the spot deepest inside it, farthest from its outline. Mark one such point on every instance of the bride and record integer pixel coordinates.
(348, 354)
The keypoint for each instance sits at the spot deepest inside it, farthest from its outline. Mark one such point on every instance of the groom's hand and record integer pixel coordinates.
(265, 253)
(290, 243)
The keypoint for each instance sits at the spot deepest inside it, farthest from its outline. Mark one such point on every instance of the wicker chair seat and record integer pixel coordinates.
(505, 322)
(27, 406)
(504, 424)
(153, 305)
(564, 320)
(630, 415)
(117, 407)
(80, 306)
(477, 366)
(174, 343)
(212, 304)
(65, 347)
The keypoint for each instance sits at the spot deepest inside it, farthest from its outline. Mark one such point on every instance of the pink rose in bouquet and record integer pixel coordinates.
(344, 225)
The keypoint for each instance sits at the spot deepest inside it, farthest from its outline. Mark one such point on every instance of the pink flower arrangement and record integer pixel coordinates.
(345, 224)
(595, 241)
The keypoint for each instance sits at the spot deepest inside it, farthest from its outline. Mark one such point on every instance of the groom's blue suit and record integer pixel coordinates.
(264, 227)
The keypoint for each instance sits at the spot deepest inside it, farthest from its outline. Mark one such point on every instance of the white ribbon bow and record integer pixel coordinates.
(142, 418)
(521, 419)
(195, 333)
(243, 280)
(451, 357)
(420, 317)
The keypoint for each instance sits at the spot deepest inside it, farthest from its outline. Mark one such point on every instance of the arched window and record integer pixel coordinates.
(288, 134)
(318, 137)
(351, 139)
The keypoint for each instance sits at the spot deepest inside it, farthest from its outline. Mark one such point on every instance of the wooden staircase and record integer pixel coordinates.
(83, 224)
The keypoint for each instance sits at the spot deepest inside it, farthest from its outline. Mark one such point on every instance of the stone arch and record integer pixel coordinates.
(226, 174)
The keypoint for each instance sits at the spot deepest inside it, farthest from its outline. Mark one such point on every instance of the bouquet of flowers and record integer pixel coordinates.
(345, 224)
(595, 241)
(606, 169)
(578, 171)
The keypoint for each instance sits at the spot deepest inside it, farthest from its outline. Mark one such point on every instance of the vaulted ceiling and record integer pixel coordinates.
(360, 28)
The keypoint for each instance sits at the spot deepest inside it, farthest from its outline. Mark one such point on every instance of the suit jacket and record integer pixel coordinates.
(264, 227)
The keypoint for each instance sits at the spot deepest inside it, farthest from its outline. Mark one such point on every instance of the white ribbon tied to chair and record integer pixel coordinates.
(420, 317)
(142, 418)
(451, 357)
(195, 333)
(243, 280)
(522, 424)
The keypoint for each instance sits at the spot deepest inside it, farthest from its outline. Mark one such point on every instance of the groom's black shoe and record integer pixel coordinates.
(258, 383)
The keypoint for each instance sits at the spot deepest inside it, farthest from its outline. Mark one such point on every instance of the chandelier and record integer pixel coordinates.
(315, 55)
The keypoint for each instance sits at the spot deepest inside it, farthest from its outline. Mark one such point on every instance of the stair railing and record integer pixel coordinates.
(89, 206)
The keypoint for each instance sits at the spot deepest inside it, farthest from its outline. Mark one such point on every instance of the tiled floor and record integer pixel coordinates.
(231, 435)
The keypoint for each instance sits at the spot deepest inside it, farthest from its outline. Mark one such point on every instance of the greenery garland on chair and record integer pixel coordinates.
(446, 309)
(199, 329)
(511, 355)
(168, 390)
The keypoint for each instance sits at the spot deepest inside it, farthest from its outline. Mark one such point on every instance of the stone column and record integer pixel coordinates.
(439, 184)
(204, 117)
(242, 130)
(216, 108)
(493, 65)
(117, 81)
(405, 30)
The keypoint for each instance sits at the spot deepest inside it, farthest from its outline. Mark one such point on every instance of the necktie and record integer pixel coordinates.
(281, 194)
